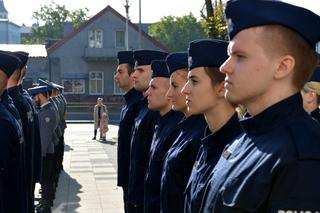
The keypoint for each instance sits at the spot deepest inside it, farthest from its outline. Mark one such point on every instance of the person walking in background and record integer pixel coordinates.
(104, 125)
(99, 109)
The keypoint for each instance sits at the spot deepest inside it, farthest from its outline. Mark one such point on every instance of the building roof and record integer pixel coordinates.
(34, 50)
(2, 7)
(97, 16)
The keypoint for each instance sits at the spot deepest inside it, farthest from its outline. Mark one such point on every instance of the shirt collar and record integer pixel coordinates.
(273, 116)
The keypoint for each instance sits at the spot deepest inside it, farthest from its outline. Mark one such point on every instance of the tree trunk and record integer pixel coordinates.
(210, 13)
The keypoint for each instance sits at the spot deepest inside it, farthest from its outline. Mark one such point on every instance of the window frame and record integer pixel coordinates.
(102, 83)
(73, 92)
(94, 32)
(124, 38)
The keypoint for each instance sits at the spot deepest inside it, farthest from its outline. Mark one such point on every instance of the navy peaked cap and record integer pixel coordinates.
(23, 56)
(159, 69)
(207, 53)
(36, 90)
(316, 75)
(145, 57)
(8, 63)
(176, 61)
(243, 14)
(125, 57)
(49, 85)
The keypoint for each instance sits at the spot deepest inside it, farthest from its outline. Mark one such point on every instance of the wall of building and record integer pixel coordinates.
(9, 33)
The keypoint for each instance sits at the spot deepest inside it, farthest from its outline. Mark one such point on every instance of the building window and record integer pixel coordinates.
(76, 86)
(96, 83)
(96, 38)
(120, 38)
(117, 90)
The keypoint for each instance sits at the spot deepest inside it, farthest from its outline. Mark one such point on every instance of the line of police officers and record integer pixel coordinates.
(183, 148)
(31, 132)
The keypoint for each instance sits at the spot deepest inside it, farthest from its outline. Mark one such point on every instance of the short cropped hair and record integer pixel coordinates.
(279, 40)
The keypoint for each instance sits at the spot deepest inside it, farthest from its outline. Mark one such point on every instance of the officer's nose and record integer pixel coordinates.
(226, 67)
(186, 88)
(169, 92)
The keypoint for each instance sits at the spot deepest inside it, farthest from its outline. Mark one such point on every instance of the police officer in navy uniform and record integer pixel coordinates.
(181, 156)
(143, 129)
(11, 145)
(58, 131)
(36, 151)
(28, 125)
(275, 165)
(62, 112)
(165, 134)
(311, 95)
(205, 94)
(124, 80)
(48, 124)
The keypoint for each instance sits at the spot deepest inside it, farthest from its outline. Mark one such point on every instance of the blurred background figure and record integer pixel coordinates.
(98, 111)
(104, 125)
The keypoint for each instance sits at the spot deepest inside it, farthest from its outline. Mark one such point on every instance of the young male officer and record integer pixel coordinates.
(27, 119)
(311, 95)
(11, 143)
(35, 151)
(275, 165)
(123, 79)
(143, 129)
(166, 132)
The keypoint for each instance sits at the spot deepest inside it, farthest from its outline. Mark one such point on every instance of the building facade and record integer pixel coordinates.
(85, 60)
(9, 32)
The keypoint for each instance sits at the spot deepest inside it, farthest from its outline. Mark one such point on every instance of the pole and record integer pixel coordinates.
(127, 25)
(140, 46)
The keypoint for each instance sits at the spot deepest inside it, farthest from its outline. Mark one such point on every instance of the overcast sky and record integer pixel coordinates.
(20, 11)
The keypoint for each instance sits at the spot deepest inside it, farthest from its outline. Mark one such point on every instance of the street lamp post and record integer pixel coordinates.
(140, 46)
(126, 5)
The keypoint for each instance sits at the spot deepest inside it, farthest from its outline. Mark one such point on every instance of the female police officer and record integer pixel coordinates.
(181, 156)
(205, 94)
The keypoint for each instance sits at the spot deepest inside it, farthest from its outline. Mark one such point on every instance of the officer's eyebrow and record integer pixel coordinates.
(233, 49)
(191, 76)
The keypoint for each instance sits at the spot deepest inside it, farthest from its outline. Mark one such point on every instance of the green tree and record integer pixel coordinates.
(176, 32)
(53, 16)
(213, 21)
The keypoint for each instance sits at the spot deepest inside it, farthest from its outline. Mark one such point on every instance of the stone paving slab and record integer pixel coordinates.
(88, 182)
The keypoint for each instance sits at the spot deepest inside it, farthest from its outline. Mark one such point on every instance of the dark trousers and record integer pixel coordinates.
(47, 178)
(125, 199)
(132, 208)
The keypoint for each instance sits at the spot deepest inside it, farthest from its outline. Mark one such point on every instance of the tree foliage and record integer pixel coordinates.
(176, 32)
(213, 21)
(54, 16)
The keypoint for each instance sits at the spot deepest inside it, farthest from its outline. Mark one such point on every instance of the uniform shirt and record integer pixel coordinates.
(12, 198)
(127, 116)
(27, 119)
(178, 163)
(140, 147)
(273, 167)
(64, 105)
(58, 132)
(48, 124)
(209, 154)
(7, 101)
(37, 159)
(166, 133)
(316, 114)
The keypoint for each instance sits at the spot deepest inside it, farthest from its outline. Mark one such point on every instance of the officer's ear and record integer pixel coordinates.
(284, 66)
(220, 89)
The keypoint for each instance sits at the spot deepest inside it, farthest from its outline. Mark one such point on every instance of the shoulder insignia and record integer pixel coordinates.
(47, 119)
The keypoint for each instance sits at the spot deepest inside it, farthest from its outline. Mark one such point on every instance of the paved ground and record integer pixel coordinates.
(88, 183)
